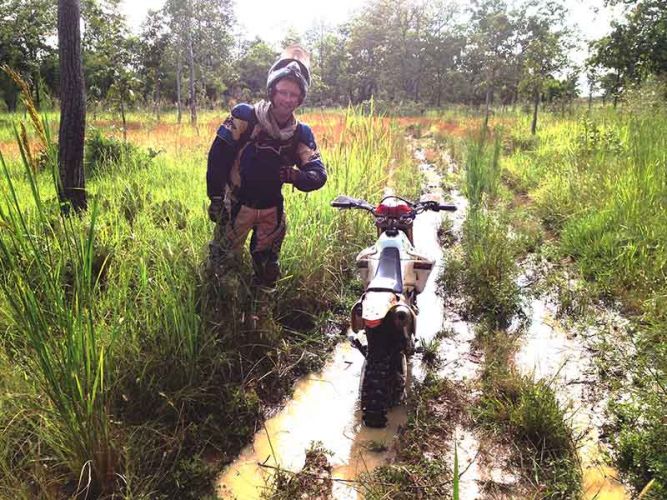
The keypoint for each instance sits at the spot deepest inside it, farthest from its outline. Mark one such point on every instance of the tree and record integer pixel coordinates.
(328, 59)
(72, 107)
(635, 49)
(252, 67)
(25, 44)
(492, 44)
(544, 44)
(201, 36)
(153, 45)
(212, 41)
(109, 54)
(443, 45)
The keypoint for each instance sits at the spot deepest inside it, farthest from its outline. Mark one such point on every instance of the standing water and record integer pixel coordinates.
(325, 407)
(549, 352)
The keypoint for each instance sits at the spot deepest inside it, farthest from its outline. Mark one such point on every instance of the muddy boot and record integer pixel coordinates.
(267, 269)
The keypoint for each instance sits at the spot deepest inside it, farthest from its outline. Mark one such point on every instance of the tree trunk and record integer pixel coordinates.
(487, 105)
(191, 63)
(122, 115)
(38, 97)
(72, 187)
(590, 101)
(179, 98)
(536, 103)
(157, 100)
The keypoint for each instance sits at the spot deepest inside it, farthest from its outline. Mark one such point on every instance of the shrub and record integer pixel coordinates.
(104, 153)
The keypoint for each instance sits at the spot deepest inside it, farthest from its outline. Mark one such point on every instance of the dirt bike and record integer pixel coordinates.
(393, 273)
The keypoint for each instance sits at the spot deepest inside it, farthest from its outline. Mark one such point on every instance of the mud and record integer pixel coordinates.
(325, 408)
(325, 405)
(564, 356)
(458, 360)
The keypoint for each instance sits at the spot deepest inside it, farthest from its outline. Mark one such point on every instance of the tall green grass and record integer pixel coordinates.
(599, 183)
(138, 362)
(50, 289)
(484, 270)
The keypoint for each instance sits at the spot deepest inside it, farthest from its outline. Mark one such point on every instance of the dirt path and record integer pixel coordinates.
(324, 407)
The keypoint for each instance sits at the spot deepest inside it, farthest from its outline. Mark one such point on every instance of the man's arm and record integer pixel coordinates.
(312, 174)
(223, 150)
(220, 158)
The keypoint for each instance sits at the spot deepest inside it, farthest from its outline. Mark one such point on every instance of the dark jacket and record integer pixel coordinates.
(245, 159)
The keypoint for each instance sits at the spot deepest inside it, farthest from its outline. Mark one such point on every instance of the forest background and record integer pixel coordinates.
(418, 54)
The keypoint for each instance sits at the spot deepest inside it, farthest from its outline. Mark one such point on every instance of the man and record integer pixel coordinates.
(257, 150)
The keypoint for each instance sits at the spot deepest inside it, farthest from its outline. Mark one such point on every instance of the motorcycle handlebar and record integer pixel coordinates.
(435, 206)
(344, 202)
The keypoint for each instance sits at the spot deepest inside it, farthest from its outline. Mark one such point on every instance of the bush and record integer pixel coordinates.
(104, 154)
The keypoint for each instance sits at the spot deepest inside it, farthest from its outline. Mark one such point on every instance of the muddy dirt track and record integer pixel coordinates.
(324, 407)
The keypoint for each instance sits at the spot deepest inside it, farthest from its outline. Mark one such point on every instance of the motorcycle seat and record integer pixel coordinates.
(388, 276)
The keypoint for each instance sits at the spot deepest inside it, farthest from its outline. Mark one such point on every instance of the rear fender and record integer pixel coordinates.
(375, 306)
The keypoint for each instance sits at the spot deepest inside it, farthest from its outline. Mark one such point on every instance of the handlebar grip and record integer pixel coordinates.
(447, 208)
(340, 204)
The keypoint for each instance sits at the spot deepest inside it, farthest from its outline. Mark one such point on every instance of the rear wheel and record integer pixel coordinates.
(397, 378)
(376, 392)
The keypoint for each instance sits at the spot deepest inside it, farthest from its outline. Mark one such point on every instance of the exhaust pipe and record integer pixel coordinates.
(402, 316)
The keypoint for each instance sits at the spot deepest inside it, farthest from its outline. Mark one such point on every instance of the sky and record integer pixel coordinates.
(268, 19)
(271, 19)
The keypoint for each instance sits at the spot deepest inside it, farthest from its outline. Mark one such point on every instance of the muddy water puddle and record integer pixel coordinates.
(458, 360)
(325, 407)
(565, 359)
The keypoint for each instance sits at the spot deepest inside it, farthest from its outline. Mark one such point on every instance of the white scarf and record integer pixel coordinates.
(268, 122)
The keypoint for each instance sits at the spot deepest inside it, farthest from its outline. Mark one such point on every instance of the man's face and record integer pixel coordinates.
(286, 98)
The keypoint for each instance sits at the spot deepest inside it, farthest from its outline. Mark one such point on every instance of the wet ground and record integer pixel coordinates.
(324, 407)
(563, 355)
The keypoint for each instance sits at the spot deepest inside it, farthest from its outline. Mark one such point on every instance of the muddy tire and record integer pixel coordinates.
(376, 392)
(398, 377)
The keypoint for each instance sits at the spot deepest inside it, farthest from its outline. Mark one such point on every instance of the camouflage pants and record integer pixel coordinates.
(268, 230)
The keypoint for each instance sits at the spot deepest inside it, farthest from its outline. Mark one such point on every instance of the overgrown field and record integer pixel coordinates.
(598, 184)
(125, 367)
(588, 196)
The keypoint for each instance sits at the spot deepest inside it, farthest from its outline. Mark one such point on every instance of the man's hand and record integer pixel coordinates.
(216, 208)
(289, 174)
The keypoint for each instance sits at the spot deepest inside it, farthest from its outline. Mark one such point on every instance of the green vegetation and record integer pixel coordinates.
(525, 415)
(516, 410)
(122, 362)
(599, 184)
(485, 270)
